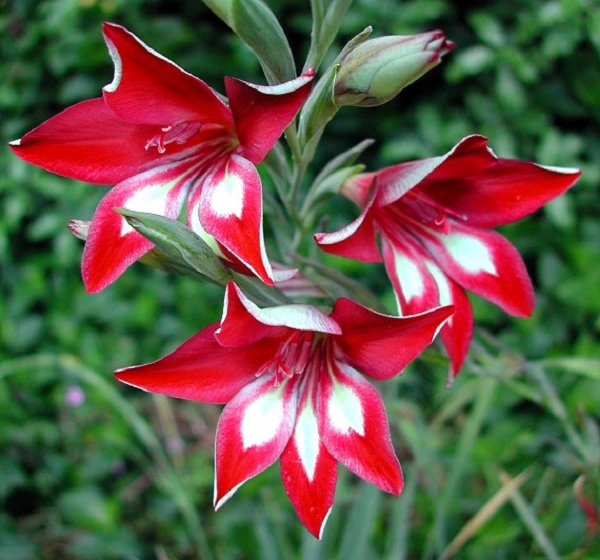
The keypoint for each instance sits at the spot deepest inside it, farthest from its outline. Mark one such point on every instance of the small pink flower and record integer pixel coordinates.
(74, 396)
(164, 136)
(290, 378)
(435, 218)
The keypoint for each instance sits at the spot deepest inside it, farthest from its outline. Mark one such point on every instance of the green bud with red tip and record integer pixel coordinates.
(374, 71)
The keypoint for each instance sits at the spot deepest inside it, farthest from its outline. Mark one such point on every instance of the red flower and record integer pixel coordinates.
(435, 218)
(290, 378)
(164, 136)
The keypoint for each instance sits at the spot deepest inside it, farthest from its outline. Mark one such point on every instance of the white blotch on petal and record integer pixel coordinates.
(152, 200)
(470, 253)
(409, 277)
(262, 419)
(306, 438)
(228, 197)
(444, 292)
(345, 411)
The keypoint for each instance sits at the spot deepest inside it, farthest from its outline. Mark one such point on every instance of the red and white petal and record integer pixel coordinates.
(112, 244)
(253, 431)
(416, 290)
(200, 369)
(243, 322)
(487, 191)
(229, 206)
(262, 113)
(419, 285)
(354, 427)
(147, 88)
(357, 240)
(358, 188)
(395, 181)
(381, 346)
(485, 263)
(88, 142)
(308, 470)
(457, 333)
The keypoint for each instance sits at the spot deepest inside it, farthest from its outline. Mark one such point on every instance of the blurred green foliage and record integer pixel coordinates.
(91, 480)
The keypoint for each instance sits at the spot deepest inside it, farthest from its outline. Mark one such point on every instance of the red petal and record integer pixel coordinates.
(252, 433)
(308, 470)
(458, 331)
(150, 89)
(488, 191)
(420, 285)
(356, 240)
(381, 346)
(230, 209)
(200, 369)
(485, 263)
(262, 113)
(243, 322)
(88, 142)
(354, 428)
(112, 244)
(359, 188)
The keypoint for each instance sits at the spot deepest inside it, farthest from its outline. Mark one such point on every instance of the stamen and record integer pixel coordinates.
(419, 207)
(291, 358)
(179, 133)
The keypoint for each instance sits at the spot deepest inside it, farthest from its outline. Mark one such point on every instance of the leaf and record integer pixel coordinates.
(255, 23)
(179, 248)
(586, 367)
(319, 108)
(345, 158)
(327, 18)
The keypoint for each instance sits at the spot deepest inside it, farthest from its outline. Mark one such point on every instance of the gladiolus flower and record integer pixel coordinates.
(435, 218)
(290, 378)
(164, 136)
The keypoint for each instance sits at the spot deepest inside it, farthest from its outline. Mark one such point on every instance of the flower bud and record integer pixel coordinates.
(376, 70)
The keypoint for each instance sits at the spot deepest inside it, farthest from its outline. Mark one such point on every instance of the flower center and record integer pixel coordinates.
(427, 211)
(179, 133)
(291, 358)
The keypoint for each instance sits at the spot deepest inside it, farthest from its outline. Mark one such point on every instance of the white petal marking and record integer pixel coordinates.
(153, 200)
(228, 197)
(345, 410)
(472, 255)
(409, 277)
(262, 419)
(306, 438)
(444, 293)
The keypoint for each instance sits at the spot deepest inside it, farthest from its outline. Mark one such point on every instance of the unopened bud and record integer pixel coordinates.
(376, 70)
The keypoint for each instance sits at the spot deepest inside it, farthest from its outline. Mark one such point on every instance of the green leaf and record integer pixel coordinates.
(254, 23)
(586, 367)
(345, 158)
(319, 108)
(179, 248)
(327, 18)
